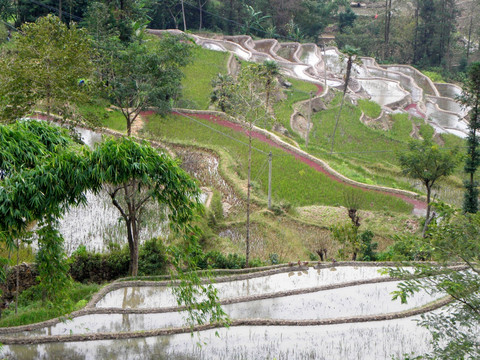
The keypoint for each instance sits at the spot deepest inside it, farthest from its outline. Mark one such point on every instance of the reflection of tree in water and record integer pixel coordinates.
(154, 348)
(134, 299)
(62, 351)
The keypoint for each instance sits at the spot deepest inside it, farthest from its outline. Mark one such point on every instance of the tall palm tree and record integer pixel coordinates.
(269, 70)
(352, 54)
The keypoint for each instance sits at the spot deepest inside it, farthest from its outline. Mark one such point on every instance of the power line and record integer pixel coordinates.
(218, 131)
(261, 169)
(236, 22)
(56, 10)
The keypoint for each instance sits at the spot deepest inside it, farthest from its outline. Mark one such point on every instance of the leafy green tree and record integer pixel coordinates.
(244, 101)
(45, 176)
(52, 262)
(471, 97)
(435, 26)
(144, 74)
(100, 22)
(43, 68)
(269, 71)
(314, 16)
(220, 95)
(426, 162)
(136, 174)
(455, 329)
(253, 21)
(7, 9)
(346, 19)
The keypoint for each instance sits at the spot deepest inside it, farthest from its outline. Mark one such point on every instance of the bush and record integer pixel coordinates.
(274, 258)
(406, 248)
(216, 260)
(88, 266)
(152, 259)
(367, 252)
(93, 267)
(281, 208)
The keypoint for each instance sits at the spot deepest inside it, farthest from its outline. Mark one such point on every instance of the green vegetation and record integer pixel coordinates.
(197, 83)
(370, 108)
(402, 127)
(434, 76)
(299, 91)
(31, 308)
(300, 185)
(100, 112)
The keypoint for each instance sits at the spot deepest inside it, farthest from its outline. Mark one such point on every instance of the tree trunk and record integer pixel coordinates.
(17, 280)
(200, 7)
(247, 252)
(388, 16)
(415, 41)
(183, 16)
(469, 36)
(336, 122)
(427, 217)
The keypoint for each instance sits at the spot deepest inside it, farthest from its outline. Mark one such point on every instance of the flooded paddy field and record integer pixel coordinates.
(156, 296)
(343, 322)
(359, 341)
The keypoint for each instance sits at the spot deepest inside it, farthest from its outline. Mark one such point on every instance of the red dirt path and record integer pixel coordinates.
(418, 205)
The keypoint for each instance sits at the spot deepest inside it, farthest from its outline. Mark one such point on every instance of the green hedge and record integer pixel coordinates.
(89, 267)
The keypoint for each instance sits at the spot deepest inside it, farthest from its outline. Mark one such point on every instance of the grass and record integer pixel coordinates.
(402, 127)
(299, 91)
(370, 108)
(197, 83)
(99, 111)
(292, 180)
(32, 310)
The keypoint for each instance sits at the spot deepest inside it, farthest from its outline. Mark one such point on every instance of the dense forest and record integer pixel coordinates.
(437, 35)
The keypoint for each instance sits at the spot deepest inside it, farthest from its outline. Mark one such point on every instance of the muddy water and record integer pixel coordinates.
(444, 119)
(148, 297)
(419, 78)
(383, 92)
(309, 55)
(361, 341)
(448, 90)
(449, 105)
(406, 82)
(101, 323)
(370, 299)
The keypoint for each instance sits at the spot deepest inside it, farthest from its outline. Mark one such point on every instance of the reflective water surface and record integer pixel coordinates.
(150, 296)
(361, 341)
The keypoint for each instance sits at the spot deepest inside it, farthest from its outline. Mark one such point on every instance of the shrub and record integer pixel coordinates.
(274, 258)
(406, 248)
(216, 260)
(367, 252)
(93, 267)
(152, 259)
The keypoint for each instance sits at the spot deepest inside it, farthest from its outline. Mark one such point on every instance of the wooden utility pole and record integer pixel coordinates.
(270, 180)
(309, 118)
(247, 240)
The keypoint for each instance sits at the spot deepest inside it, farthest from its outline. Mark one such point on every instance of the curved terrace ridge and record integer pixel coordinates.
(90, 309)
(406, 78)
